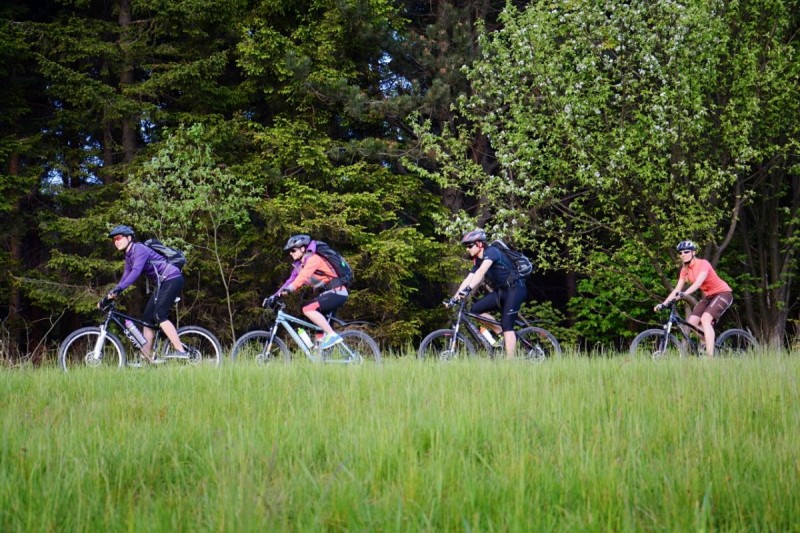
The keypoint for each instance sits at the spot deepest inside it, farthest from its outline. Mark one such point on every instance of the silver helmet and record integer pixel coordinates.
(296, 241)
(474, 236)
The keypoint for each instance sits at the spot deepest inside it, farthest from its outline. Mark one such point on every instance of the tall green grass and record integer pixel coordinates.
(575, 444)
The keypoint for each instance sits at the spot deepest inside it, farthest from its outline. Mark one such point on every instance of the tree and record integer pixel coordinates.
(331, 154)
(185, 197)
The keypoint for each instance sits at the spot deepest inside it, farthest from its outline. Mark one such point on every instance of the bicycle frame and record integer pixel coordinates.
(287, 321)
(675, 319)
(469, 320)
(118, 318)
(656, 341)
(113, 315)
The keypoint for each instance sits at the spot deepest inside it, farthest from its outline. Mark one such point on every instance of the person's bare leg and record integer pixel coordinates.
(708, 329)
(494, 327)
(319, 320)
(511, 343)
(172, 334)
(147, 349)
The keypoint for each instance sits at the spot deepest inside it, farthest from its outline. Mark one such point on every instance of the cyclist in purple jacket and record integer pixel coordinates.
(167, 278)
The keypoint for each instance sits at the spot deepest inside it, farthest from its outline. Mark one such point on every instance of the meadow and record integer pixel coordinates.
(587, 444)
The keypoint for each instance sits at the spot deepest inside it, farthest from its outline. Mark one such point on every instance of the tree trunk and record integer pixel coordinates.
(14, 248)
(126, 78)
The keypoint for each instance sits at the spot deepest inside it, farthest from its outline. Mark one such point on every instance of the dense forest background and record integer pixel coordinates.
(594, 135)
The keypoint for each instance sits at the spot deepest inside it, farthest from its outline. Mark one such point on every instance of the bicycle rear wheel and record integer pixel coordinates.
(537, 344)
(201, 345)
(356, 347)
(78, 349)
(657, 344)
(252, 347)
(437, 346)
(735, 343)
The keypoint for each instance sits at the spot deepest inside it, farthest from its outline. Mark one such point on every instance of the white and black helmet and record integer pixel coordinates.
(686, 245)
(474, 236)
(296, 241)
(121, 230)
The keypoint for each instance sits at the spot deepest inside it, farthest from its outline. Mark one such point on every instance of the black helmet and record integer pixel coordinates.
(121, 230)
(296, 241)
(686, 245)
(474, 236)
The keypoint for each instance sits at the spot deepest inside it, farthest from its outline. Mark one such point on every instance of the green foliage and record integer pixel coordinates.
(618, 132)
(187, 199)
(592, 135)
(182, 193)
(372, 216)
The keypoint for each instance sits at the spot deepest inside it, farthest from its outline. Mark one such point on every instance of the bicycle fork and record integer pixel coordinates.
(662, 346)
(97, 352)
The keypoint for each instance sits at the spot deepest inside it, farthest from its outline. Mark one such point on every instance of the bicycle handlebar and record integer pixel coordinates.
(273, 302)
(106, 305)
(669, 304)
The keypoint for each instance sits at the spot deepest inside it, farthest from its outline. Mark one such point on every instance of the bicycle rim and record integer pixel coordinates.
(356, 347)
(78, 350)
(201, 345)
(438, 346)
(252, 348)
(736, 343)
(537, 344)
(655, 344)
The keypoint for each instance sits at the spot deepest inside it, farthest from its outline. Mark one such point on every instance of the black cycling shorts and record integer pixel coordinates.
(328, 301)
(162, 300)
(509, 300)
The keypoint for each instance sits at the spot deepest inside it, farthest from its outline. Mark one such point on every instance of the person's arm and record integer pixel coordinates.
(473, 279)
(295, 271)
(133, 269)
(701, 277)
(674, 294)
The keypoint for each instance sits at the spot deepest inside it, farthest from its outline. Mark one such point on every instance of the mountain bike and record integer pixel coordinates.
(534, 343)
(265, 347)
(96, 346)
(674, 339)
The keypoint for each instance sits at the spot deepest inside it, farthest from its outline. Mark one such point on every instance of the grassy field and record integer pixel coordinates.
(575, 444)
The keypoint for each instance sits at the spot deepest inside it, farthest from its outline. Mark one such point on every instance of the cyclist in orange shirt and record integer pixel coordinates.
(717, 295)
(311, 269)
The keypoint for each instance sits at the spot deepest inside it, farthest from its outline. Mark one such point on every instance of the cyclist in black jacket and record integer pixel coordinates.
(509, 288)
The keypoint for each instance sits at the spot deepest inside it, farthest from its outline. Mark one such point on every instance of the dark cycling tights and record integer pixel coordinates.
(509, 300)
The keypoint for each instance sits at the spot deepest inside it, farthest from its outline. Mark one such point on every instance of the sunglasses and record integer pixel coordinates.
(685, 252)
(293, 250)
(469, 245)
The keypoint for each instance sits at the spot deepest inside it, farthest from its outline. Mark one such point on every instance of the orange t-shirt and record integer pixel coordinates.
(316, 272)
(712, 285)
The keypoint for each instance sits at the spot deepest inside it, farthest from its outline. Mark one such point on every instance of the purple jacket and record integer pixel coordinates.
(141, 259)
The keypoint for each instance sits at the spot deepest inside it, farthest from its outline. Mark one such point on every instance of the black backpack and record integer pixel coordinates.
(344, 273)
(171, 255)
(521, 263)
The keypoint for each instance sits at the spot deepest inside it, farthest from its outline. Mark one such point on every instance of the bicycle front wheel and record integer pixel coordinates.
(252, 346)
(202, 346)
(78, 349)
(656, 344)
(438, 346)
(736, 343)
(537, 344)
